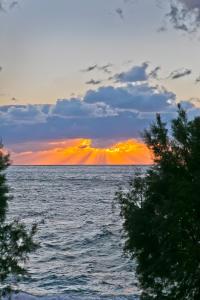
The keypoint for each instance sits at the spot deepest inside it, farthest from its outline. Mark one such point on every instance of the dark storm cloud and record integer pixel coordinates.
(180, 73)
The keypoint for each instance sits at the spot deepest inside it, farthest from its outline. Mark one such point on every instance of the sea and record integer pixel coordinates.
(80, 233)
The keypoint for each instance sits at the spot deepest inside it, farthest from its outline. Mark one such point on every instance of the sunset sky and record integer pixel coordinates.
(81, 79)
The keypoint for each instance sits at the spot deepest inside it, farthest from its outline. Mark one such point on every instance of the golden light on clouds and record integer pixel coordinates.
(82, 152)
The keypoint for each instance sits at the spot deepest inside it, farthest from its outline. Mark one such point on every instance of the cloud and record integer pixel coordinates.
(120, 13)
(76, 108)
(14, 99)
(136, 73)
(70, 108)
(90, 68)
(185, 15)
(104, 68)
(180, 73)
(106, 113)
(123, 125)
(27, 114)
(154, 73)
(133, 97)
(7, 4)
(129, 1)
(191, 4)
(13, 4)
(197, 80)
(1, 6)
(94, 82)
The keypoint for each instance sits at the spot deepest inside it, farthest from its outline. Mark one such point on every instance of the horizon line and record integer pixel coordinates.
(87, 165)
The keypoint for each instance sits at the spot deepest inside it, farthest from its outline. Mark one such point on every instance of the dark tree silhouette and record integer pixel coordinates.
(15, 241)
(161, 212)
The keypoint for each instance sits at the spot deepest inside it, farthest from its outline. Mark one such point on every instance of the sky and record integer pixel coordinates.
(81, 79)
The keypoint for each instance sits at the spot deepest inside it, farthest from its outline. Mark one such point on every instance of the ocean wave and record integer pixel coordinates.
(70, 296)
(80, 234)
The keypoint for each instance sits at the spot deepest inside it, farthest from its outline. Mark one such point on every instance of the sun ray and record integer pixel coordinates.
(82, 152)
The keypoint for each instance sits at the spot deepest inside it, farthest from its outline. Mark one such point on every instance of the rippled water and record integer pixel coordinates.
(80, 234)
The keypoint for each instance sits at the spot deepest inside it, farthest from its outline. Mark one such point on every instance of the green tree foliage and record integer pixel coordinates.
(161, 212)
(15, 241)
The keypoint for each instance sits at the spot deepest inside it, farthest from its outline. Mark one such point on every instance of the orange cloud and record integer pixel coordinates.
(81, 152)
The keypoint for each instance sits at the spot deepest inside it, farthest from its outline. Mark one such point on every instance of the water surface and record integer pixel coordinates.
(80, 233)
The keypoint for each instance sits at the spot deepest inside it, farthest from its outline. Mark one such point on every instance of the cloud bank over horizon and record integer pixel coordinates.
(98, 128)
(118, 111)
